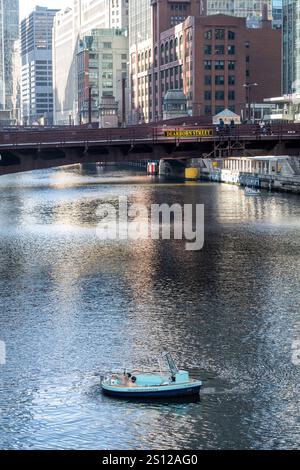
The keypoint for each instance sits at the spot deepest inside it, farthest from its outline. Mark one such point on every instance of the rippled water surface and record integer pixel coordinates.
(74, 307)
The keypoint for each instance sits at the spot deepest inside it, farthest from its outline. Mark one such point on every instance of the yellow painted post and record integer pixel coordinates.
(192, 173)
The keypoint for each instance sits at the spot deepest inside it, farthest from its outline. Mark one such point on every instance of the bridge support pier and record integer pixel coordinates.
(172, 168)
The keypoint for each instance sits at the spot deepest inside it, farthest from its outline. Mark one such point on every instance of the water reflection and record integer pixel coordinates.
(73, 307)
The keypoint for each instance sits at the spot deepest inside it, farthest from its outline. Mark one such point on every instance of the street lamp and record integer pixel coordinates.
(90, 87)
(90, 105)
(248, 87)
(123, 81)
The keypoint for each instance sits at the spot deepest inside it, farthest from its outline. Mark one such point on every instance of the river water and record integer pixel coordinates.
(74, 307)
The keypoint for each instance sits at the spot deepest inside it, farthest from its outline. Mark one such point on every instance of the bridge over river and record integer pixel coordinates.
(28, 149)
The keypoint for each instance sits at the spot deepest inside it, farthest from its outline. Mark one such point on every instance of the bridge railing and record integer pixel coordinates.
(131, 135)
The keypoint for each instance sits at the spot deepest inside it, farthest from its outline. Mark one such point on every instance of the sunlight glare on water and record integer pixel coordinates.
(74, 306)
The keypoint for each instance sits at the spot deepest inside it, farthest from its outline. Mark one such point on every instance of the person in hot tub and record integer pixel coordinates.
(126, 379)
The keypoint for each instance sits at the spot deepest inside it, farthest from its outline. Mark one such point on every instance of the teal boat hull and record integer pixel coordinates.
(170, 391)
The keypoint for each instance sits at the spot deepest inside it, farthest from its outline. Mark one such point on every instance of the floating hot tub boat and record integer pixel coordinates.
(171, 384)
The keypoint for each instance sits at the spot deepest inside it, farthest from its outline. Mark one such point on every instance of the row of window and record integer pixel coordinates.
(177, 19)
(219, 64)
(43, 83)
(94, 57)
(219, 95)
(219, 49)
(219, 80)
(109, 66)
(178, 7)
(172, 86)
(219, 34)
(169, 57)
(172, 71)
(177, 84)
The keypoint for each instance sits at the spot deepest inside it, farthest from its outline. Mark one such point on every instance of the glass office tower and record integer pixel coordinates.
(9, 33)
(36, 54)
(291, 46)
(140, 25)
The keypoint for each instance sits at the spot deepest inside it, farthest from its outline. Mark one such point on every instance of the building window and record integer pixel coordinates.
(207, 64)
(231, 35)
(207, 95)
(220, 34)
(231, 50)
(171, 50)
(231, 65)
(231, 80)
(207, 110)
(208, 34)
(207, 80)
(166, 53)
(178, 6)
(107, 84)
(107, 45)
(247, 59)
(207, 49)
(219, 95)
(107, 65)
(219, 65)
(231, 95)
(219, 79)
(176, 49)
(162, 51)
(220, 49)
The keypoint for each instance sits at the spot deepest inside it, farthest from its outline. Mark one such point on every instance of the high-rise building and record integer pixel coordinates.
(9, 33)
(140, 42)
(226, 63)
(145, 59)
(36, 57)
(102, 68)
(16, 91)
(211, 59)
(291, 46)
(70, 25)
(64, 67)
(140, 21)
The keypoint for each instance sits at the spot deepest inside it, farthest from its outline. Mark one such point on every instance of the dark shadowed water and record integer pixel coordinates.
(74, 307)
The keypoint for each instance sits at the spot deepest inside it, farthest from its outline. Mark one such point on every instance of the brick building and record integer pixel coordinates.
(210, 58)
(148, 19)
